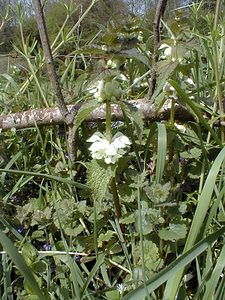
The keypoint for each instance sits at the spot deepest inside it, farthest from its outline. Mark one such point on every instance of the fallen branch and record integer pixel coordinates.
(52, 116)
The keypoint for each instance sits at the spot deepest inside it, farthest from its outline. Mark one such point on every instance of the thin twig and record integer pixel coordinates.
(160, 9)
(68, 117)
(49, 60)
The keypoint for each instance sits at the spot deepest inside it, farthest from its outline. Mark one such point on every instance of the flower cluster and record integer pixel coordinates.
(109, 152)
(109, 90)
(176, 52)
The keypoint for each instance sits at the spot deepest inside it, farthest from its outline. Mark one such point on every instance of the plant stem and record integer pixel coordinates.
(116, 199)
(108, 121)
(142, 241)
(172, 117)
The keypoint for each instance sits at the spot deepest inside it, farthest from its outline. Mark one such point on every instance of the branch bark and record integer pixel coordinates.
(52, 116)
(160, 9)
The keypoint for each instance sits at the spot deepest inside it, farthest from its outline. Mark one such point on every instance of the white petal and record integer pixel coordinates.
(108, 160)
(94, 138)
(97, 155)
(121, 142)
(118, 144)
(99, 145)
(163, 46)
(180, 127)
(111, 150)
(168, 51)
(124, 139)
(190, 81)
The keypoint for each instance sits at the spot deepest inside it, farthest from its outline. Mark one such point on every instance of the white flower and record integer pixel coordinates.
(99, 145)
(121, 287)
(167, 51)
(170, 91)
(180, 127)
(121, 142)
(110, 152)
(168, 87)
(190, 81)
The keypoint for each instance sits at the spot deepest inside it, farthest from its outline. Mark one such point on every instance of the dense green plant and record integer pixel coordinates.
(140, 213)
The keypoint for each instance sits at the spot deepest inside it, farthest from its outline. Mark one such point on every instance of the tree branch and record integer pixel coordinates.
(52, 116)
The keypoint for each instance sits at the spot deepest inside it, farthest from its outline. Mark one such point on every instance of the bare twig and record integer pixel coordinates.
(49, 61)
(160, 9)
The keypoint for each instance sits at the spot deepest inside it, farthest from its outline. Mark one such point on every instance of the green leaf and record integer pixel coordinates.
(173, 233)
(135, 116)
(11, 80)
(204, 201)
(195, 109)
(39, 267)
(99, 176)
(161, 151)
(153, 262)
(165, 70)
(112, 295)
(29, 253)
(105, 237)
(97, 265)
(157, 192)
(149, 218)
(212, 283)
(84, 112)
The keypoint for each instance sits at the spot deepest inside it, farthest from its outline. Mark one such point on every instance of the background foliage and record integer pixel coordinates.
(62, 215)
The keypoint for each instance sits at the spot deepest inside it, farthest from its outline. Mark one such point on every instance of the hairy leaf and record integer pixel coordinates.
(174, 232)
(99, 176)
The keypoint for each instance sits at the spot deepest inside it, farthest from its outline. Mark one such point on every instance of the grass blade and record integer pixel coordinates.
(161, 152)
(174, 267)
(211, 284)
(21, 265)
(47, 176)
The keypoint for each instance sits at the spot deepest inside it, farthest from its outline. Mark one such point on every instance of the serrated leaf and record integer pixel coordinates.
(150, 217)
(105, 237)
(128, 219)
(99, 176)
(84, 111)
(153, 262)
(158, 193)
(193, 153)
(174, 232)
(60, 167)
(74, 231)
(39, 267)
